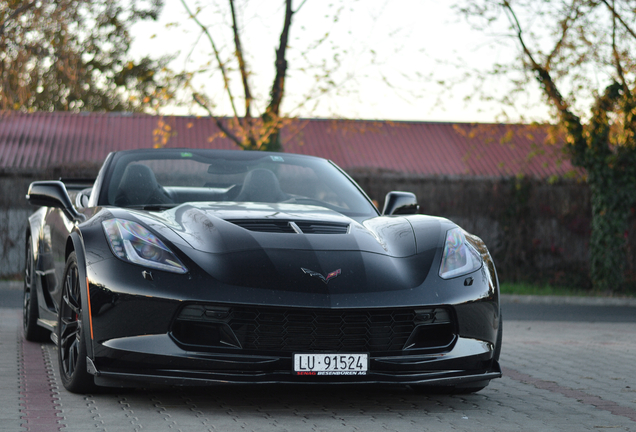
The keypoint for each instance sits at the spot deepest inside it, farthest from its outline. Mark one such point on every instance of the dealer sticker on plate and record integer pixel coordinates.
(331, 364)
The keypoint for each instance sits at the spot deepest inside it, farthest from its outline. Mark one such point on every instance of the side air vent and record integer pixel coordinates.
(284, 226)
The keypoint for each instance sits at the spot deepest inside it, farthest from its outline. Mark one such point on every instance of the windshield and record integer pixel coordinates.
(166, 178)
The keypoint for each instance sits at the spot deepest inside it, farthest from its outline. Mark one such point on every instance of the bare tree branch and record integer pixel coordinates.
(301, 5)
(542, 73)
(620, 19)
(262, 131)
(565, 26)
(247, 120)
(15, 14)
(226, 79)
(628, 114)
(569, 119)
(241, 62)
(278, 87)
(219, 123)
(617, 58)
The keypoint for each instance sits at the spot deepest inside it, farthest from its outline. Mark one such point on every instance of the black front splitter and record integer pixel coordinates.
(200, 378)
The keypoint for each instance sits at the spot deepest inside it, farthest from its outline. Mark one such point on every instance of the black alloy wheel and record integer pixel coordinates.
(32, 331)
(71, 338)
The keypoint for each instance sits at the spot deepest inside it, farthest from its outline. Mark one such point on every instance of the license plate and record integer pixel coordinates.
(331, 364)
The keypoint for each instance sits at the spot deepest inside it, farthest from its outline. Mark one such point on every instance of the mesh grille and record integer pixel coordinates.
(288, 331)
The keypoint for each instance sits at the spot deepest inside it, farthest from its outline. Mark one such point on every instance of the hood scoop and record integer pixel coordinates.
(291, 227)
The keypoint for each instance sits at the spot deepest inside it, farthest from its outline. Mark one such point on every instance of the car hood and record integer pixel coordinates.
(225, 228)
(251, 245)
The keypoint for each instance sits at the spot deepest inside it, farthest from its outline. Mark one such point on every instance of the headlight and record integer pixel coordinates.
(132, 242)
(459, 257)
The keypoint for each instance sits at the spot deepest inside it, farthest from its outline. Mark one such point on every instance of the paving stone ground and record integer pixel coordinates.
(565, 376)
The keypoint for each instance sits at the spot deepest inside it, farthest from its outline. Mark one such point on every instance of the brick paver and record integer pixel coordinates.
(558, 377)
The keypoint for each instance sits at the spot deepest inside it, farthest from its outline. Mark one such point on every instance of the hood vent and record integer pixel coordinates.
(291, 227)
(323, 227)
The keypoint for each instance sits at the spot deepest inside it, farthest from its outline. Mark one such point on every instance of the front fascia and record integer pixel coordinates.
(125, 304)
(129, 310)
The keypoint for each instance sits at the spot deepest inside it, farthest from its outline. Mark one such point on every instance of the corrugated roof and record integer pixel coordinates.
(45, 140)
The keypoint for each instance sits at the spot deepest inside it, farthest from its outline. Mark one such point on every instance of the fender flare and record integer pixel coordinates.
(76, 244)
(34, 232)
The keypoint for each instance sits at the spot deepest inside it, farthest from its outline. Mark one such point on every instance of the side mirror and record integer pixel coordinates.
(53, 194)
(400, 203)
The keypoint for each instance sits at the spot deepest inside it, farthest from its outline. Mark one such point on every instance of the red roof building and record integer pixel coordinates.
(44, 140)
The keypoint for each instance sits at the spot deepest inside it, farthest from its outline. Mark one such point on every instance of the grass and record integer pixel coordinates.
(525, 288)
(12, 278)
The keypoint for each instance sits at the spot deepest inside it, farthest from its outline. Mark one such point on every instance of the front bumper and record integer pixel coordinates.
(164, 363)
(141, 333)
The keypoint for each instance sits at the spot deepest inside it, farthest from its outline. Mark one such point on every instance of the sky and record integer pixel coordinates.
(386, 59)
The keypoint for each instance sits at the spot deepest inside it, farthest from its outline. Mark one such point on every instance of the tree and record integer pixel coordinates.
(314, 41)
(248, 132)
(583, 55)
(72, 55)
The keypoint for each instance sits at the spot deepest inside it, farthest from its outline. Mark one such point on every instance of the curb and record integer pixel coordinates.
(569, 300)
(11, 285)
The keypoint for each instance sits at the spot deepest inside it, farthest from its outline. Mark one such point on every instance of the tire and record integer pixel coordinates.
(71, 351)
(30, 314)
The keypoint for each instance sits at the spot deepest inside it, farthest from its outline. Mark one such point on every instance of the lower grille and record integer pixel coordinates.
(288, 330)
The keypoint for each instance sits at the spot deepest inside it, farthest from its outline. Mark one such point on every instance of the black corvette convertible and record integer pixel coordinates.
(189, 267)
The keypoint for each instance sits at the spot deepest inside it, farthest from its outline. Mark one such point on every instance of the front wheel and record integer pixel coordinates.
(70, 330)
